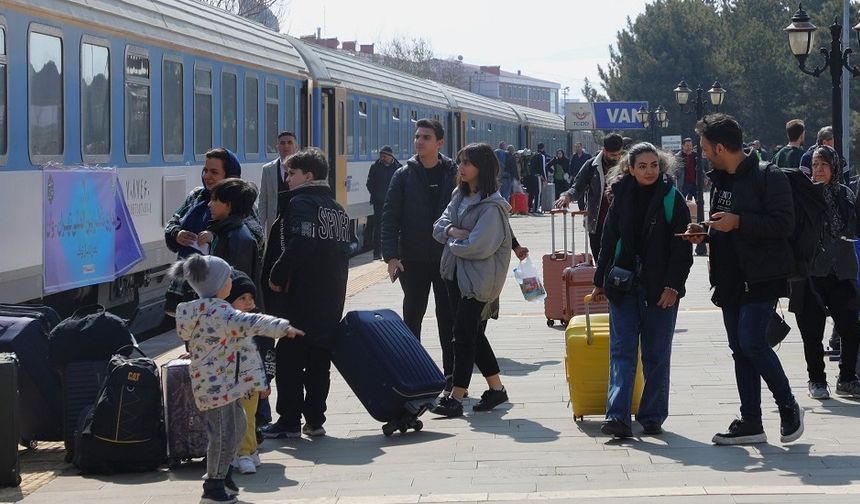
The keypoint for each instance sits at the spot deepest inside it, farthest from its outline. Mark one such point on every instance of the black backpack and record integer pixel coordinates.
(809, 215)
(123, 431)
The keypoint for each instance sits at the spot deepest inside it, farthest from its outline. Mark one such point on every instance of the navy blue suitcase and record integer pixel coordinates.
(40, 392)
(387, 368)
(82, 381)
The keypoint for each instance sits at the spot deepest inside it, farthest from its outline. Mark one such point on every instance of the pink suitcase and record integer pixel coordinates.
(579, 282)
(554, 265)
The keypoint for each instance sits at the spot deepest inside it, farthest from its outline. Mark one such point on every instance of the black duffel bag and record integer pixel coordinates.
(91, 333)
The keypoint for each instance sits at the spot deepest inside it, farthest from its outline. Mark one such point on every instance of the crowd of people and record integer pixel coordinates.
(442, 224)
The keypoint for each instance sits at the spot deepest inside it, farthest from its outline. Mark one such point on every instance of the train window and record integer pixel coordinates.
(374, 139)
(350, 127)
(413, 116)
(95, 101)
(362, 128)
(489, 126)
(172, 117)
(272, 105)
(4, 128)
(252, 116)
(395, 113)
(45, 95)
(473, 124)
(395, 130)
(137, 104)
(202, 111)
(406, 133)
(384, 139)
(229, 125)
(290, 109)
(341, 127)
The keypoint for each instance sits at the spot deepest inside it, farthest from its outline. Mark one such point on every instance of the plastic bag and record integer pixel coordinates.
(529, 280)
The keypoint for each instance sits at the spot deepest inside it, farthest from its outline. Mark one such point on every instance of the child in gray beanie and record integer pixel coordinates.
(221, 372)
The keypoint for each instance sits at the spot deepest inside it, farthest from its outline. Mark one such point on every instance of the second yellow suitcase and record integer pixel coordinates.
(586, 365)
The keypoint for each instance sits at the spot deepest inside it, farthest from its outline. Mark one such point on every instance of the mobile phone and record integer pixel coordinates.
(682, 235)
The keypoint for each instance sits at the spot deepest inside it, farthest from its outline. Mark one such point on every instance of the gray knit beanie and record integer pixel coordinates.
(205, 274)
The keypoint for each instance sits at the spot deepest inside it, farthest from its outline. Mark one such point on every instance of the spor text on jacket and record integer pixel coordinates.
(225, 364)
(481, 261)
(312, 269)
(668, 258)
(408, 215)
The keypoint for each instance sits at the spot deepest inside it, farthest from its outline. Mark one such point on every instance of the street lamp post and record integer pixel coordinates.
(801, 38)
(651, 119)
(682, 96)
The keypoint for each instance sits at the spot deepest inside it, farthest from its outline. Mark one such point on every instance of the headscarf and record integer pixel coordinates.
(197, 218)
(834, 224)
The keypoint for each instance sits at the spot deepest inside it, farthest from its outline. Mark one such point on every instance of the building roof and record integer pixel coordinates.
(525, 80)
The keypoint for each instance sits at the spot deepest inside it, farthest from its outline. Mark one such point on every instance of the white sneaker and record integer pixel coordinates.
(246, 465)
(256, 458)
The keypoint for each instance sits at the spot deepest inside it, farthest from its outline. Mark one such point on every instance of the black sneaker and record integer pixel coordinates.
(448, 407)
(214, 493)
(490, 399)
(652, 429)
(616, 428)
(790, 422)
(278, 430)
(741, 432)
(230, 486)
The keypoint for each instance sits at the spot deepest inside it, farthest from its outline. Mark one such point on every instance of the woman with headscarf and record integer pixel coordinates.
(186, 232)
(832, 283)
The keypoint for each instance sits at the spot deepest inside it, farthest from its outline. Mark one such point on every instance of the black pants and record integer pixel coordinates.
(376, 222)
(595, 238)
(533, 188)
(840, 297)
(471, 346)
(416, 281)
(302, 376)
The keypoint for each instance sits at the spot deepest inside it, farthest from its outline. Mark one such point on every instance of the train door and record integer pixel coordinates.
(333, 139)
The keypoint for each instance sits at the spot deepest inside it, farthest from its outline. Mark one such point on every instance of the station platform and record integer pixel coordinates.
(530, 450)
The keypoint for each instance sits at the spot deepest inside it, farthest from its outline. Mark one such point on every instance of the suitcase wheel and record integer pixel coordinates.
(550, 322)
(403, 426)
(388, 429)
(29, 444)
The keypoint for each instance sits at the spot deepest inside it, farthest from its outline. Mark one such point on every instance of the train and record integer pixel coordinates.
(148, 86)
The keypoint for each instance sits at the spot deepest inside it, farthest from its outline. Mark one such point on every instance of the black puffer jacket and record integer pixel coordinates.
(237, 243)
(408, 215)
(378, 180)
(763, 201)
(313, 268)
(667, 258)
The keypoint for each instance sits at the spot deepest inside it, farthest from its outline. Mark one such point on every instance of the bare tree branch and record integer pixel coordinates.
(266, 12)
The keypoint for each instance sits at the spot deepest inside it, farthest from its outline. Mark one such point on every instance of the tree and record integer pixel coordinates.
(591, 93)
(265, 12)
(411, 55)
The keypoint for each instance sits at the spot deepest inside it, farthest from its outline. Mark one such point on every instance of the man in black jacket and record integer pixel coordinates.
(752, 219)
(311, 274)
(417, 196)
(378, 179)
(537, 178)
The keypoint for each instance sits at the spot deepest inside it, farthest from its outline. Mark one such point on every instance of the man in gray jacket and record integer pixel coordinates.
(591, 182)
(274, 174)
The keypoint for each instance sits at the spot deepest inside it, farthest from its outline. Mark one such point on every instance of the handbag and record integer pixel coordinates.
(777, 328)
(620, 279)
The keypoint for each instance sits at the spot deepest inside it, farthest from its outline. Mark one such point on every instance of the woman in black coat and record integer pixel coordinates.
(639, 244)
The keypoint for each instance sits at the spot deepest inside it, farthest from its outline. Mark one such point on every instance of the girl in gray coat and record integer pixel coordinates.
(477, 238)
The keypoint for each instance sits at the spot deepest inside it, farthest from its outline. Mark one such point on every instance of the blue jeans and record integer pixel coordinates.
(632, 320)
(746, 326)
(506, 186)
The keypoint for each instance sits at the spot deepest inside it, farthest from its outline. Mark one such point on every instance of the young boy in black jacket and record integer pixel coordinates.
(232, 202)
(311, 272)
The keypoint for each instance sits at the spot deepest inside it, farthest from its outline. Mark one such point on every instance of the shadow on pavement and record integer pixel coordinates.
(521, 430)
(352, 451)
(511, 367)
(796, 459)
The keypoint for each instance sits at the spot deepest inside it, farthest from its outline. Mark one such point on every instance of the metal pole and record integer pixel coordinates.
(846, 133)
(701, 248)
(836, 81)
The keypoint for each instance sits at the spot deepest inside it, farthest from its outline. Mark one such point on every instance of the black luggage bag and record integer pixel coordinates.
(10, 468)
(39, 386)
(91, 333)
(385, 365)
(82, 381)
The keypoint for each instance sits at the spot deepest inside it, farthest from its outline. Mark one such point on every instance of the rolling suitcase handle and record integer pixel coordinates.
(588, 336)
(573, 215)
(552, 214)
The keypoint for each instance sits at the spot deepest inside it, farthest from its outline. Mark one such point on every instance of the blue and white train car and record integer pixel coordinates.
(147, 86)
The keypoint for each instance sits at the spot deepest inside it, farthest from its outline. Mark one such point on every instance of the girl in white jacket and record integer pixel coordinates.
(222, 368)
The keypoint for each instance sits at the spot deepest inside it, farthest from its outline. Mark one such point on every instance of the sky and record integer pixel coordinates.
(557, 40)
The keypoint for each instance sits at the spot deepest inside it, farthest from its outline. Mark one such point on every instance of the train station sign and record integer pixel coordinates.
(603, 115)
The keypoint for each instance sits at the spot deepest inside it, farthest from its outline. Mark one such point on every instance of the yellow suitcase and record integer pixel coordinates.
(586, 364)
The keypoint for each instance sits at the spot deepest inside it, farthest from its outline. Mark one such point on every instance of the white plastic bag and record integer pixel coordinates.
(529, 280)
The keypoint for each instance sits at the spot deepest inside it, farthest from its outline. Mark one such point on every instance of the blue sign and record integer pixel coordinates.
(618, 115)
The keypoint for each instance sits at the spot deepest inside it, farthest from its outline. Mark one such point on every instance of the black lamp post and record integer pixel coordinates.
(801, 38)
(682, 96)
(651, 119)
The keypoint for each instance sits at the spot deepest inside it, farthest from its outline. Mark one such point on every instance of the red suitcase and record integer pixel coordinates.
(519, 203)
(578, 281)
(554, 265)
